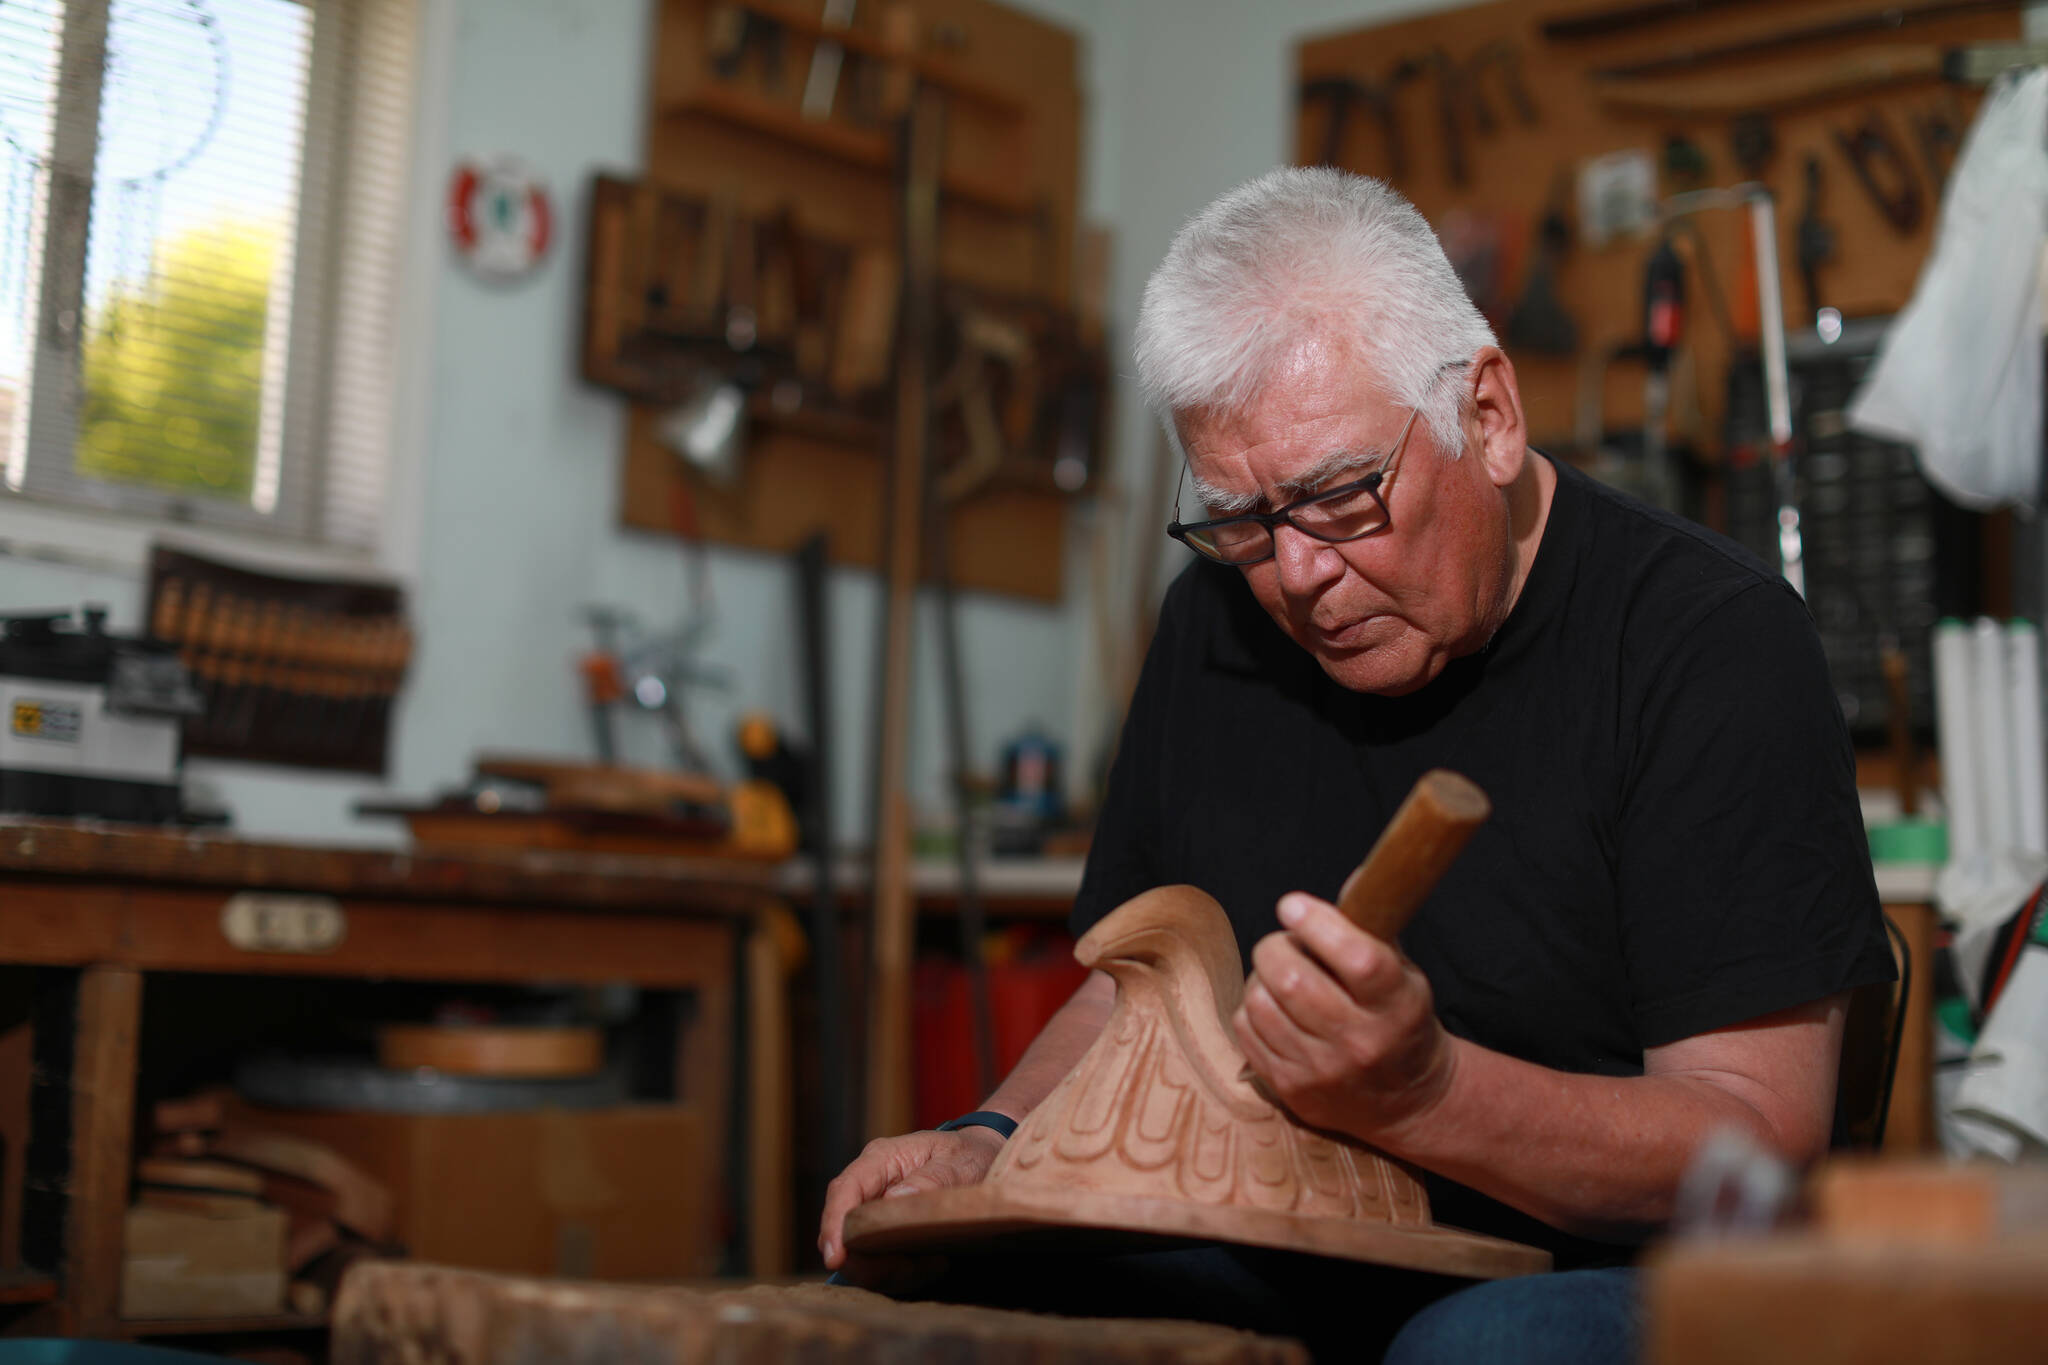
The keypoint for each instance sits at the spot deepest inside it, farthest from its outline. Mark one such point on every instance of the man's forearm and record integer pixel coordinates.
(1599, 1156)
(1059, 1045)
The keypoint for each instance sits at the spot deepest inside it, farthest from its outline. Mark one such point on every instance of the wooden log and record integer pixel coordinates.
(391, 1312)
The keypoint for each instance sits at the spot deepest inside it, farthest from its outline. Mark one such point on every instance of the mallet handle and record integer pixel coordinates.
(1414, 851)
(1412, 854)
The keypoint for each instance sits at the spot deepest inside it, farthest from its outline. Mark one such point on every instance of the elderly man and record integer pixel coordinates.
(1652, 938)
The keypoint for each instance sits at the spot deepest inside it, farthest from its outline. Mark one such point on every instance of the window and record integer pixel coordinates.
(201, 204)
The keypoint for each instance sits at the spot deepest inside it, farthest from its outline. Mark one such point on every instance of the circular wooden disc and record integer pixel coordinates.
(987, 1218)
(462, 1050)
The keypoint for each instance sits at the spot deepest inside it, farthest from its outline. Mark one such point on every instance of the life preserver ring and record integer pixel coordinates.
(499, 217)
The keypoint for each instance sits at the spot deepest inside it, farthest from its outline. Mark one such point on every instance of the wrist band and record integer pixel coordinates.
(981, 1118)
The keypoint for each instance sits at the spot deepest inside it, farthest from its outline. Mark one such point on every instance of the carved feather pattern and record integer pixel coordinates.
(1155, 1107)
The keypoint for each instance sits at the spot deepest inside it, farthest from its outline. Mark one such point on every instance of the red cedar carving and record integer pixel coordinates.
(1159, 1131)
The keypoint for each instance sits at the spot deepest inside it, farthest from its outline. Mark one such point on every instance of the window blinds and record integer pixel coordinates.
(200, 215)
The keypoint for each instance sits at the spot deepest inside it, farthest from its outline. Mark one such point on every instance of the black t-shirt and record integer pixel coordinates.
(1675, 845)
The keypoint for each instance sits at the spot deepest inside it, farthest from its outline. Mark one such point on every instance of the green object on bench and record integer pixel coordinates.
(1909, 841)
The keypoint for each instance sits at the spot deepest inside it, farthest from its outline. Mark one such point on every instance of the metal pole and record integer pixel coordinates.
(835, 1113)
(1763, 222)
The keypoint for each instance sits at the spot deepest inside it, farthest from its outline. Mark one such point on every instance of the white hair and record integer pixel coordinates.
(1298, 251)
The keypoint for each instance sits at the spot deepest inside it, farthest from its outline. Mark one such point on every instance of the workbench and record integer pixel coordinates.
(113, 905)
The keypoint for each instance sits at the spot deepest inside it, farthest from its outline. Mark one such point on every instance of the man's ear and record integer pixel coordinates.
(1497, 411)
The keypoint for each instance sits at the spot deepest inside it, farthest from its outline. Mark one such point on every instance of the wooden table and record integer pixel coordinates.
(118, 903)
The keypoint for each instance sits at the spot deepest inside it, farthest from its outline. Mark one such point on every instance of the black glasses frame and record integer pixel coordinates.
(1371, 484)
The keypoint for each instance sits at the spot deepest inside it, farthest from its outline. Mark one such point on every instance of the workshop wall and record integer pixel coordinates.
(506, 525)
(516, 524)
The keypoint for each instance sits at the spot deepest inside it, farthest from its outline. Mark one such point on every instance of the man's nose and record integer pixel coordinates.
(1304, 562)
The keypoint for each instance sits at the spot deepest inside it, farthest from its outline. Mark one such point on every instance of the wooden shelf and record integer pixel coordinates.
(843, 428)
(862, 434)
(859, 146)
(19, 1284)
(132, 1328)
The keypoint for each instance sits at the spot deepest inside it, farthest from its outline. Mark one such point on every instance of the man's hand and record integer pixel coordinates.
(893, 1166)
(1341, 1025)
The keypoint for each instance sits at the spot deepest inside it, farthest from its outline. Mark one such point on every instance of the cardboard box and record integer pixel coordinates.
(183, 1264)
(616, 1194)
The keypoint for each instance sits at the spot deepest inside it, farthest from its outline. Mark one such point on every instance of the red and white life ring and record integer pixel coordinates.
(499, 217)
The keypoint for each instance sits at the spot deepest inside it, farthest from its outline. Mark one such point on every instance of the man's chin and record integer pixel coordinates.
(1388, 670)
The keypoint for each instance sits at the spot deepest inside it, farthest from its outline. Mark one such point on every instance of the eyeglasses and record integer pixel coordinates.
(1350, 511)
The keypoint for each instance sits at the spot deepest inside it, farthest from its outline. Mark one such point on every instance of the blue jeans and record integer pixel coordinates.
(1572, 1317)
(1346, 1313)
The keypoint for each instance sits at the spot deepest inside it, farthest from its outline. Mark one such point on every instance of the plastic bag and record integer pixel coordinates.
(1959, 374)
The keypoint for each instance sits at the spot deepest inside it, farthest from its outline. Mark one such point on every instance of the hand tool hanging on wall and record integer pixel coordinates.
(603, 688)
(1684, 162)
(733, 32)
(1753, 142)
(1504, 57)
(1460, 94)
(1938, 132)
(1540, 322)
(1450, 96)
(1663, 327)
(821, 85)
(1816, 239)
(888, 1078)
(1881, 166)
(1344, 95)
(983, 340)
(1824, 31)
(1763, 225)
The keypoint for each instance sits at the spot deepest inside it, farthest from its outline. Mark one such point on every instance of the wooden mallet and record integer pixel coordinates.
(1412, 854)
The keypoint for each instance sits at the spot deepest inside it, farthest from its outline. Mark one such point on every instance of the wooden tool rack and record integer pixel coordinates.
(731, 149)
(97, 911)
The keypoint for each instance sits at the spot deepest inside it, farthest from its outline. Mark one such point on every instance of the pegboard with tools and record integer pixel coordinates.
(773, 195)
(1518, 129)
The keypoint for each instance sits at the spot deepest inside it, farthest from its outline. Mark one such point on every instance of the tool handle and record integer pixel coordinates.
(1412, 854)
